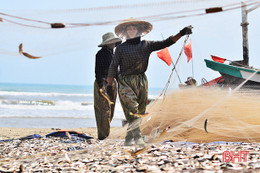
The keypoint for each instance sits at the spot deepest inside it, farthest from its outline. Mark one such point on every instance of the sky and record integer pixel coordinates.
(68, 54)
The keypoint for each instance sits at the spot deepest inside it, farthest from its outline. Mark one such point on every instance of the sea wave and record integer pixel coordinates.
(50, 94)
(36, 105)
(116, 117)
(50, 105)
(55, 94)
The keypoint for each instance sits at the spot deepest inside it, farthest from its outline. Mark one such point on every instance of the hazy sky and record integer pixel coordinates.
(68, 55)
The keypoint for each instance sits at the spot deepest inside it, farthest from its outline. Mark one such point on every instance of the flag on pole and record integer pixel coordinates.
(165, 56)
(188, 51)
(218, 59)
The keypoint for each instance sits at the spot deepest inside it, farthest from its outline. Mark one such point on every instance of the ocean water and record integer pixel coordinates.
(52, 106)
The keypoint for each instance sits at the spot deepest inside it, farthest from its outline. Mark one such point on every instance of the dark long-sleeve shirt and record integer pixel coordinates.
(133, 55)
(103, 61)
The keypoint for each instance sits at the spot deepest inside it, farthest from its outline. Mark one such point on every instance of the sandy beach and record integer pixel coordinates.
(58, 154)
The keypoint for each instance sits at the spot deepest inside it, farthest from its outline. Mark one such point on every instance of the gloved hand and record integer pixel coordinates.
(110, 92)
(187, 30)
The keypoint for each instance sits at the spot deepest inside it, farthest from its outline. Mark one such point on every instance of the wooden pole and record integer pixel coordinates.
(245, 33)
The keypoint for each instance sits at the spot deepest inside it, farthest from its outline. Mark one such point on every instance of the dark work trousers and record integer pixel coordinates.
(104, 111)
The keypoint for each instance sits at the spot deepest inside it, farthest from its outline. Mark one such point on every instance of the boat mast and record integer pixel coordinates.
(245, 33)
(245, 30)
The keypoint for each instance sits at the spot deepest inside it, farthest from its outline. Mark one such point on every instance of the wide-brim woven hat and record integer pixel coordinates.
(191, 79)
(143, 26)
(109, 38)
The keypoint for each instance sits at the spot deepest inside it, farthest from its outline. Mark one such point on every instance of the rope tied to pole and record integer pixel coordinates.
(174, 66)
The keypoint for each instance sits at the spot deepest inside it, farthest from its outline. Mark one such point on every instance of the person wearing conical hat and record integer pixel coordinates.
(132, 58)
(104, 111)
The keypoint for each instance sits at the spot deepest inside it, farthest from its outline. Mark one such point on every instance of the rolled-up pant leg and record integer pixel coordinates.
(103, 111)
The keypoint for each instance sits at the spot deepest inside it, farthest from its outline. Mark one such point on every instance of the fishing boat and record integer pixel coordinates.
(236, 72)
(235, 75)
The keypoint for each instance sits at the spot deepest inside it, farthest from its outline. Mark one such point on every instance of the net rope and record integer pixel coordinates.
(152, 18)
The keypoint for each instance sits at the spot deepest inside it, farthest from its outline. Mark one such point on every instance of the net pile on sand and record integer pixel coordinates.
(203, 115)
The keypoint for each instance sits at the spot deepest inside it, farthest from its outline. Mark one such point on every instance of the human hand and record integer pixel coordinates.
(103, 88)
(187, 30)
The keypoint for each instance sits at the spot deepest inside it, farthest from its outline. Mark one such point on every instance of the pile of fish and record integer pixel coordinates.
(90, 155)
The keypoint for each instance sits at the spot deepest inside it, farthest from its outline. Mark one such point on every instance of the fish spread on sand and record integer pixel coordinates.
(72, 155)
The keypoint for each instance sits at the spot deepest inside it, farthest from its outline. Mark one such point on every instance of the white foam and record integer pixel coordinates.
(51, 94)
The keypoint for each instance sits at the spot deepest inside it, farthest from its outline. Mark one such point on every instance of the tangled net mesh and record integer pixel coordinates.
(202, 115)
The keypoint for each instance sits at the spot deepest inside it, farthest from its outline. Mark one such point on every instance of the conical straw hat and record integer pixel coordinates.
(143, 26)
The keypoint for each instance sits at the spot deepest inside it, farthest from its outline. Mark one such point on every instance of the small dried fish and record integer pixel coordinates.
(67, 157)
(139, 115)
(205, 125)
(31, 56)
(137, 152)
(106, 97)
(68, 134)
(164, 132)
(21, 48)
(27, 54)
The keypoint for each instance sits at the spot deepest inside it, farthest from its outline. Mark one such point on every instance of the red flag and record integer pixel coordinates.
(165, 56)
(188, 51)
(218, 59)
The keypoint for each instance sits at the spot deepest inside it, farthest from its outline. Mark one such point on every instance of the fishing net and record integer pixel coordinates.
(203, 115)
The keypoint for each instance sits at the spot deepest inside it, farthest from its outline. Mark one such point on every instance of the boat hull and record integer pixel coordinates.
(234, 75)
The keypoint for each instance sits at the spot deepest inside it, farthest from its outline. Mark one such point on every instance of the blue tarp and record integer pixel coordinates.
(23, 138)
(73, 135)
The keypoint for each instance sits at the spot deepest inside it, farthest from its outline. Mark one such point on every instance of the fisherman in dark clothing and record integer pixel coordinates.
(132, 57)
(104, 109)
(191, 82)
